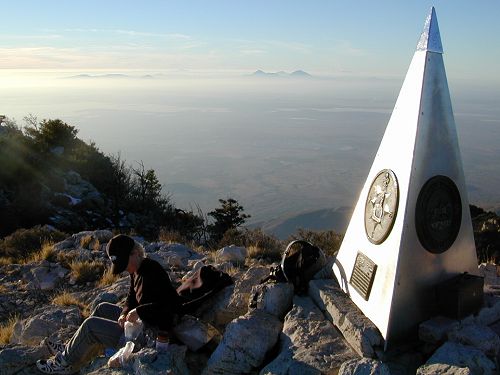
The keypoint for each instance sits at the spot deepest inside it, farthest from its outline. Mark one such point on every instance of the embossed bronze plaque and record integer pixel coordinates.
(438, 214)
(363, 275)
(381, 206)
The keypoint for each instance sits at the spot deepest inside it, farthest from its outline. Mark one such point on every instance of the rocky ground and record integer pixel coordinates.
(246, 328)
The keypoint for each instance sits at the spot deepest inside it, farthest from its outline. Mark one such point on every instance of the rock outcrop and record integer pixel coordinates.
(246, 328)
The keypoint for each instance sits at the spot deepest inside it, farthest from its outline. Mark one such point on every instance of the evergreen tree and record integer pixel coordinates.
(229, 216)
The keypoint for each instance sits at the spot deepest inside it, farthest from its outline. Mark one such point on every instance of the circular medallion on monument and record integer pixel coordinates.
(438, 214)
(381, 206)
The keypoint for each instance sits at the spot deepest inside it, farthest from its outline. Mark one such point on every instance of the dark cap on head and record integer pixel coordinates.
(119, 249)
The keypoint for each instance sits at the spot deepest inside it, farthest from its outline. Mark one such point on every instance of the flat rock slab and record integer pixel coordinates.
(357, 329)
(310, 344)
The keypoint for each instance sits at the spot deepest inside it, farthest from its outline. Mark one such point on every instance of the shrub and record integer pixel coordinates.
(23, 242)
(86, 271)
(7, 328)
(52, 133)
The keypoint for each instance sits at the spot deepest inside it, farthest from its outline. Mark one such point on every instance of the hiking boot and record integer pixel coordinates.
(54, 346)
(56, 365)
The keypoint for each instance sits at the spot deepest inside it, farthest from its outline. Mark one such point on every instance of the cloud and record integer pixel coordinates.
(104, 57)
(132, 33)
(252, 52)
(30, 37)
(345, 47)
(270, 45)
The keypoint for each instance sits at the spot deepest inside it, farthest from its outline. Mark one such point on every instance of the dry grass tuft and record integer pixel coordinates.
(258, 252)
(7, 328)
(46, 253)
(6, 261)
(233, 270)
(107, 278)
(170, 236)
(66, 299)
(89, 242)
(65, 259)
(86, 271)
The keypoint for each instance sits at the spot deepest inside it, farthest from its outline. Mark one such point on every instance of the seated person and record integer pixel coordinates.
(151, 297)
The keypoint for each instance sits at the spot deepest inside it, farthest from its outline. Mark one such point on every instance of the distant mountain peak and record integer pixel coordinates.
(281, 73)
(300, 73)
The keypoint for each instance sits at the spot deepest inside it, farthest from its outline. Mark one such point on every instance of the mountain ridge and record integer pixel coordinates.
(282, 74)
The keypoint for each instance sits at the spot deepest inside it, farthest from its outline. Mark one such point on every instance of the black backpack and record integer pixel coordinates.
(299, 263)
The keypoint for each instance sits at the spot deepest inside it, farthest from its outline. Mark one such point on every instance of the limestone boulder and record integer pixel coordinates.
(68, 243)
(478, 336)
(462, 356)
(309, 343)
(173, 255)
(113, 293)
(36, 328)
(436, 330)
(150, 362)
(15, 358)
(275, 299)
(490, 273)
(243, 289)
(217, 310)
(45, 275)
(233, 300)
(103, 235)
(488, 315)
(363, 366)
(194, 333)
(245, 344)
(234, 254)
(442, 369)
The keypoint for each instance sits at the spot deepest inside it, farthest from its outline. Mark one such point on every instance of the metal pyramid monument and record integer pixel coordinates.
(411, 227)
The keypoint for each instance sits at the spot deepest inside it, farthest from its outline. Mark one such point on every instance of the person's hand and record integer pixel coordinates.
(132, 316)
(121, 320)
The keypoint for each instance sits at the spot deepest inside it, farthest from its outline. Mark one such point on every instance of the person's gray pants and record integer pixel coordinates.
(100, 330)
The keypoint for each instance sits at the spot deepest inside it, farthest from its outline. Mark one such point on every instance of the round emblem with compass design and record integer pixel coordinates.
(438, 214)
(381, 206)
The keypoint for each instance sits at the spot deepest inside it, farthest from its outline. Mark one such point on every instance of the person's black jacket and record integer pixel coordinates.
(152, 295)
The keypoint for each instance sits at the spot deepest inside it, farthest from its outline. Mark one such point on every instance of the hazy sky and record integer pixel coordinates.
(374, 38)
